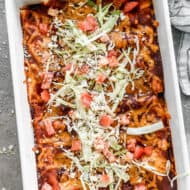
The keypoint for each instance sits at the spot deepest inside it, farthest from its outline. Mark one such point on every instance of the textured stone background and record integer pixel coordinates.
(10, 177)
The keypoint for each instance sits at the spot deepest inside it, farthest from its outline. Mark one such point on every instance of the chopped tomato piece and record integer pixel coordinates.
(76, 145)
(112, 53)
(92, 21)
(148, 150)
(83, 25)
(124, 120)
(113, 62)
(49, 127)
(109, 155)
(131, 144)
(86, 99)
(45, 95)
(139, 151)
(129, 6)
(106, 120)
(84, 69)
(100, 78)
(43, 28)
(103, 62)
(47, 80)
(100, 144)
(89, 24)
(46, 186)
(140, 187)
(105, 178)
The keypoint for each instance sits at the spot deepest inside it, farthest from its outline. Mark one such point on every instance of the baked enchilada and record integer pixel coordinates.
(95, 87)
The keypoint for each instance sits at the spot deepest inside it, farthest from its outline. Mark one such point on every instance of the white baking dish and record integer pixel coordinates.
(25, 132)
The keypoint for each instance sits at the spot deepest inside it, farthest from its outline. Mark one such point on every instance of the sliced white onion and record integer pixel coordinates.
(146, 130)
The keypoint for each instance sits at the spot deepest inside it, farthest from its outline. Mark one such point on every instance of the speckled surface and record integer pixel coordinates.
(10, 177)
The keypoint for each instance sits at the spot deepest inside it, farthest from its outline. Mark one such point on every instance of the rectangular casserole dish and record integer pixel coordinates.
(25, 132)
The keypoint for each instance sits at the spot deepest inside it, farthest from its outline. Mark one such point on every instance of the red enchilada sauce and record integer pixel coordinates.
(87, 86)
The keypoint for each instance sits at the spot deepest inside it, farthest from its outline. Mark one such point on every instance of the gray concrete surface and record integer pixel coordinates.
(10, 177)
(9, 156)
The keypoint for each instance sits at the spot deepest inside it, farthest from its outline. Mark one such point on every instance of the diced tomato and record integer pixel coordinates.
(86, 99)
(100, 78)
(113, 62)
(140, 187)
(100, 144)
(92, 21)
(49, 127)
(124, 120)
(148, 150)
(112, 53)
(84, 69)
(76, 145)
(103, 62)
(89, 24)
(109, 155)
(129, 6)
(47, 80)
(83, 25)
(139, 151)
(106, 120)
(43, 28)
(105, 178)
(46, 186)
(45, 95)
(131, 144)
